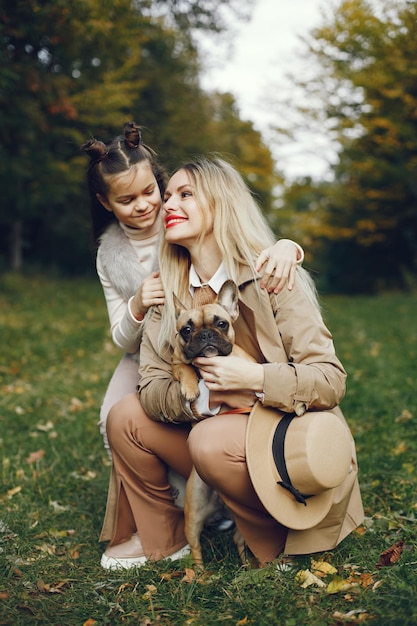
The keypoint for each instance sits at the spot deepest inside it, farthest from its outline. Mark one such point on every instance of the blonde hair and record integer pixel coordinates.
(240, 229)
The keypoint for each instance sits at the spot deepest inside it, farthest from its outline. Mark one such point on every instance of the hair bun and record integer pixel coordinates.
(96, 150)
(132, 135)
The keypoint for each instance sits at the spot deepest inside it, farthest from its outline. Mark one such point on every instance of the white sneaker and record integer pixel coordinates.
(286, 565)
(130, 554)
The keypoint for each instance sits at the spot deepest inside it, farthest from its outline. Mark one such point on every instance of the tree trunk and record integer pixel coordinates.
(16, 245)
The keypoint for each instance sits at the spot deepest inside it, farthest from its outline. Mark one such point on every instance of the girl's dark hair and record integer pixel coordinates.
(115, 157)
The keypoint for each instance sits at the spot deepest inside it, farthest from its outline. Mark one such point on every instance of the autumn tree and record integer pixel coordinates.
(238, 139)
(77, 68)
(59, 62)
(364, 226)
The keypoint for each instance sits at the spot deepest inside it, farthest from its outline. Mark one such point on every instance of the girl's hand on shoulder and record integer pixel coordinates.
(150, 293)
(279, 264)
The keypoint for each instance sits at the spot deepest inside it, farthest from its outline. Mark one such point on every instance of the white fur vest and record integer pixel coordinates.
(121, 263)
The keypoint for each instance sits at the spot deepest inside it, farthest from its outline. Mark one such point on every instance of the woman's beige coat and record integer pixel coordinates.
(287, 335)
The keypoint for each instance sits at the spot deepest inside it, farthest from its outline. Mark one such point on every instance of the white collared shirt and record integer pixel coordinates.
(215, 282)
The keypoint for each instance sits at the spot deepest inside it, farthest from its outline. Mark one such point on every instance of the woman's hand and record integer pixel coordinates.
(232, 399)
(279, 262)
(230, 373)
(150, 293)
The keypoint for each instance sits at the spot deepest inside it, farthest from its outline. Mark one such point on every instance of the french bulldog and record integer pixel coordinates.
(204, 331)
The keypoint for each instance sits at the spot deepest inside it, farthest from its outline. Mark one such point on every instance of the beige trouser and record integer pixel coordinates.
(124, 380)
(143, 450)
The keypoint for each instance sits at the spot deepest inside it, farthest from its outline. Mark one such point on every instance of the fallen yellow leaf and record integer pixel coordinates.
(322, 568)
(189, 575)
(307, 578)
(124, 586)
(339, 584)
(35, 456)
(74, 553)
(46, 548)
(171, 575)
(53, 532)
(404, 417)
(47, 588)
(401, 448)
(365, 580)
(45, 427)
(150, 591)
(374, 351)
(356, 616)
(41, 585)
(76, 405)
(58, 508)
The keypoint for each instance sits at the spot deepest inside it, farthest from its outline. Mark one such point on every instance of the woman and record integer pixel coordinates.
(213, 231)
(126, 184)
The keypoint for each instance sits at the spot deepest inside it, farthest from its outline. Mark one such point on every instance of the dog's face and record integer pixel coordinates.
(208, 330)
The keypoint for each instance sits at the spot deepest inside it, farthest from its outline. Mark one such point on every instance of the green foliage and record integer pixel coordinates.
(203, 15)
(365, 95)
(55, 55)
(75, 69)
(55, 363)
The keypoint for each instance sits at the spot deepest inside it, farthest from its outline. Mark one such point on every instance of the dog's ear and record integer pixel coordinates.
(179, 307)
(228, 299)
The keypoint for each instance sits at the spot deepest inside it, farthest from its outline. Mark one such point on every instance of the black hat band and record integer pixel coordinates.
(279, 458)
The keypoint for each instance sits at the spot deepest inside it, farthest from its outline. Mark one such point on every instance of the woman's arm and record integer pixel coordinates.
(160, 394)
(306, 369)
(309, 373)
(313, 375)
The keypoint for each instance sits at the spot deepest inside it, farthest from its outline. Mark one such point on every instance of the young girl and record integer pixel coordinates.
(126, 183)
(214, 231)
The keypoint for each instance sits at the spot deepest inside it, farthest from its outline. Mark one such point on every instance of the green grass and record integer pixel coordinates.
(55, 360)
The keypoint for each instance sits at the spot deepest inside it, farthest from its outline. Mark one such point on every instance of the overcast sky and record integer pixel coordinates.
(263, 51)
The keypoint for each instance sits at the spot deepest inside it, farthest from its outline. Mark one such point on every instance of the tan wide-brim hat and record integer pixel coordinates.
(295, 463)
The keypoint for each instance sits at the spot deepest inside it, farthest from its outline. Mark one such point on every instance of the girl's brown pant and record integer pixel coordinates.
(143, 450)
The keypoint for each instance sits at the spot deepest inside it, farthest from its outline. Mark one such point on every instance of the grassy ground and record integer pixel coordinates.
(55, 361)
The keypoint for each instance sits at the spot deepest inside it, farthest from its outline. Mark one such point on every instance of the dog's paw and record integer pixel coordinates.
(190, 392)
